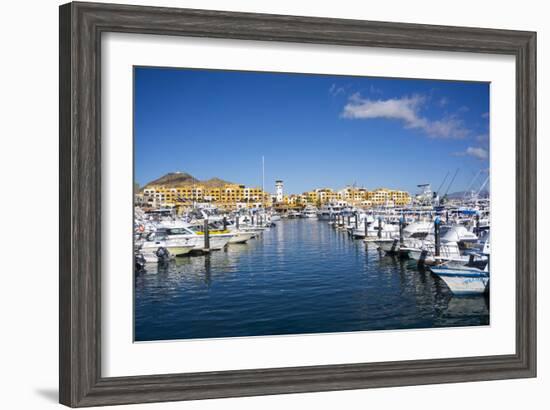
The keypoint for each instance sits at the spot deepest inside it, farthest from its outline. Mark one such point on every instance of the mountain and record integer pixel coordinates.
(176, 179)
(461, 194)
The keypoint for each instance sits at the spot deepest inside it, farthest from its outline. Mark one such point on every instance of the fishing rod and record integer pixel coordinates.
(452, 180)
(443, 183)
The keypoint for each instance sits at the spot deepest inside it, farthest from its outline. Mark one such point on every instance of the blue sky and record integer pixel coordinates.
(313, 130)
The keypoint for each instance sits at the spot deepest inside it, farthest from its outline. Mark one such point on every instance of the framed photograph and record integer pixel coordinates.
(262, 204)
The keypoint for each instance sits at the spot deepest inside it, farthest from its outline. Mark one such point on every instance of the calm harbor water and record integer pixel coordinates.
(300, 277)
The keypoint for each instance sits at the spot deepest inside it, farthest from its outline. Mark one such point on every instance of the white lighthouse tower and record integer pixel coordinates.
(279, 190)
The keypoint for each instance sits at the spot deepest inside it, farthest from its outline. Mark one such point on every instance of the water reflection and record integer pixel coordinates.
(300, 277)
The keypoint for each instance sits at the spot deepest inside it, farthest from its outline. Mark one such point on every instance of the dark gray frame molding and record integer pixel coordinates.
(81, 26)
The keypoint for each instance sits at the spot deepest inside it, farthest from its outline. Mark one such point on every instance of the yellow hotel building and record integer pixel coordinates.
(352, 196)
(226, 196)
(231, 196)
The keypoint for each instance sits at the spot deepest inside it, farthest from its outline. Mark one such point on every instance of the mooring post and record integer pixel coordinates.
(447, 216)
(477, 224)
(349, 219)
(366, 227)
(237, 221)
(206, 236)
(436, 234)
(379, 227)
(224, 223)
(252, 219)
(356, 220)
(401, 222)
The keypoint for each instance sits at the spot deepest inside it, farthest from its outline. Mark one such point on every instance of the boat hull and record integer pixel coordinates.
(460, 285)
(463, 282)
(179, 250)
(242, 237)
(389, 246)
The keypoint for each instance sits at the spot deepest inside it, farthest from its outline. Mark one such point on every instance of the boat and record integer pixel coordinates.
(328, 211)
(193, 233)
(309, 212)
(157, 243)
(239, 235)
(455, 240)
(218, 238)
(274, 217)
(414, 231)
(464, 280)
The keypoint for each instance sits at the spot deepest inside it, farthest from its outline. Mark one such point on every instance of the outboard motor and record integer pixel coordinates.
(162, 254)
(139, 262)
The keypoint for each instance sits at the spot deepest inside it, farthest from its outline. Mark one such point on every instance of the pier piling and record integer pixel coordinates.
(437, 238)
(379, 227)
(206, 236)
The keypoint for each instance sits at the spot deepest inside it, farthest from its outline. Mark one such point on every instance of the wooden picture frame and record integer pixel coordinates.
(81, 27)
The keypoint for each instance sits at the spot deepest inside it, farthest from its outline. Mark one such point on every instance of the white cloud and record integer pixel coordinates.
(476, 152)
(404, 109)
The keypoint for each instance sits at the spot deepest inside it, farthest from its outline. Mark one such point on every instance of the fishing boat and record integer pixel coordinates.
(239, 235)
(309, 212)
(464, 280)
(455, 240)
(194, 234)
(414, 231)
(154, 244)
(328, 211)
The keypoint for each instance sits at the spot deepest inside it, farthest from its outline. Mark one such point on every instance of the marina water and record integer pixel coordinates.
(299, 277)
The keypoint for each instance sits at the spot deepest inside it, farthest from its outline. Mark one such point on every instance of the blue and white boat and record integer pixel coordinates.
(464, 280)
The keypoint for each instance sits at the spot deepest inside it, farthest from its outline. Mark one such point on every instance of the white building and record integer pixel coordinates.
(279, 190)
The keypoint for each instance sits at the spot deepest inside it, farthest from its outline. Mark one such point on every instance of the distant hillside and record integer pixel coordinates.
(176, 179)
(459, 195)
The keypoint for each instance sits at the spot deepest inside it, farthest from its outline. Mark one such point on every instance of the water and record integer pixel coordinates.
(299, 277)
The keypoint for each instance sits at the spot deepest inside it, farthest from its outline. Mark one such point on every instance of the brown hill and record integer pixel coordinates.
(177, 179)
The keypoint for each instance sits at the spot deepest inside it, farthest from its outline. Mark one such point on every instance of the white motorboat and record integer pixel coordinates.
(309, 212)
(160, 239)
(239, 235)
(416, 231)
(328, 211)
(465, 280)
(454, 241)
(195, 235)
(274, 217)
(217, 238)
